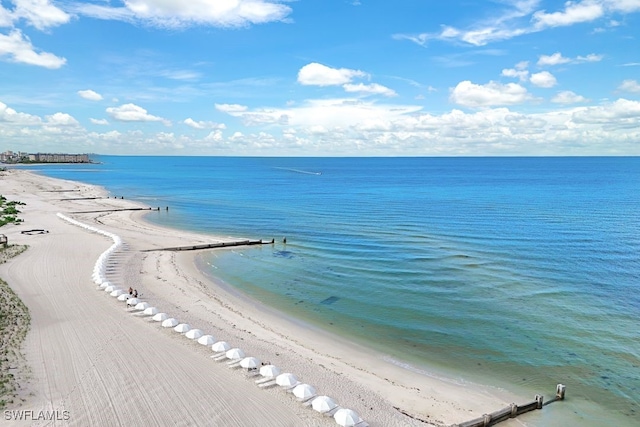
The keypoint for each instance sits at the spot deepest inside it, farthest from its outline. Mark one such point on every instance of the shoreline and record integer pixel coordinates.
(356, 377)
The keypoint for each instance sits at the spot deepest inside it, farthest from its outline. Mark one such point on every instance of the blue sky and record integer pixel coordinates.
(329, 78)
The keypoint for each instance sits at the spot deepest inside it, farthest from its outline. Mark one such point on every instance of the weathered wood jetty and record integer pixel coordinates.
(212, 245)
(513, 410)
(114, 210)
(81, 198)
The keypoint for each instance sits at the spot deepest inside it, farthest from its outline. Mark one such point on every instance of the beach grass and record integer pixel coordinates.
(8, 211)
(14, 325)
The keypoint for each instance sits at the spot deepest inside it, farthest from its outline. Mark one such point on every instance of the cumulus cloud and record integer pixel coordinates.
(573, 13)
(6, 20)
(592, 57)
(478, 96)
(18, 48)
(543, 79)
(315, 74)
(179, 13)
(369, 89)
(132, 113)
(621, 113)
(523, 75)
(61, 119)
(203, 124)
(346, 126)
(557, 59)
(553, 59)
(629, 86)
(568, 97)
(231, 108)
(41, 14)
(101, 122)
(90, 95)
(9, 115)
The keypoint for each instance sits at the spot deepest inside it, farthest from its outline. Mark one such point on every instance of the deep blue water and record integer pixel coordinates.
(519, 272)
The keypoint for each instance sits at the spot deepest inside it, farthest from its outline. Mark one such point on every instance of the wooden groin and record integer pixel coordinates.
(114, 210)
(513, 410)
(81, 198)
(211, 245)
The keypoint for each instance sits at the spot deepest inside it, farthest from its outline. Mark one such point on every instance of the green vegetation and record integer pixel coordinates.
(9, 212)
(14, 325)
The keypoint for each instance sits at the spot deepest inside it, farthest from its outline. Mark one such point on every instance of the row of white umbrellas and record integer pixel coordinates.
(303, 392)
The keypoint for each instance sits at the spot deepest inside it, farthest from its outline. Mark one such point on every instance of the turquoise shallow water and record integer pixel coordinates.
(517, 272)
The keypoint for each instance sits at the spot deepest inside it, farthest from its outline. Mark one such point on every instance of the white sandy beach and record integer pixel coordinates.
(107, 366)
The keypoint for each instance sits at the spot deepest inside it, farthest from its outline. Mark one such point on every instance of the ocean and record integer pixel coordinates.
(518, 273)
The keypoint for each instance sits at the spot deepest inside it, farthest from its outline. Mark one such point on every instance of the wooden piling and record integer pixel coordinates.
(513, 410)
(210, 246)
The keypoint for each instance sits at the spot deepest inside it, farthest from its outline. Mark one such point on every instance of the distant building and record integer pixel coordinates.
(11, 157)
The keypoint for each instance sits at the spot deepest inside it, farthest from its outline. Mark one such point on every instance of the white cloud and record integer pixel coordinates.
(179, 13)
(629, 86)
(187, 75)
(574, 12)
(19, 49)
(352, 126)
(90, 95)
(101, 122)
(622, 113)
(371, 89)
(61, 119)
(543, 79)
(568, 97)
(203, 124)
(557, 59)
(592, 57)
(132, 113)
(523, 75)
(6, 20)
(231, 108)
(9, 115)
(521, 17)
(477, 96)
(42, 14)
(625, 6)
(315, 74)
(503, 26)
(554, 59)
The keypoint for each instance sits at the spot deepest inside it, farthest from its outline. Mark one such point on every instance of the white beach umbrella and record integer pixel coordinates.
(304, 391)
(346, 417)
(269, 371)
(286, 380)
(133, 301)
(104, 284)
(124, 297)
(220, 346)
(110, 288)
(182, 328)
(249, 363)
(206, 340)
(160, 317)
(323, 404)
(234, 353)
(170, 323)
(117, 293)
(141, 306)
(150, 311)
(193, 334)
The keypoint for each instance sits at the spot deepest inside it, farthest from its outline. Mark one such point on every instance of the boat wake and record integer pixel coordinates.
(300, 171)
